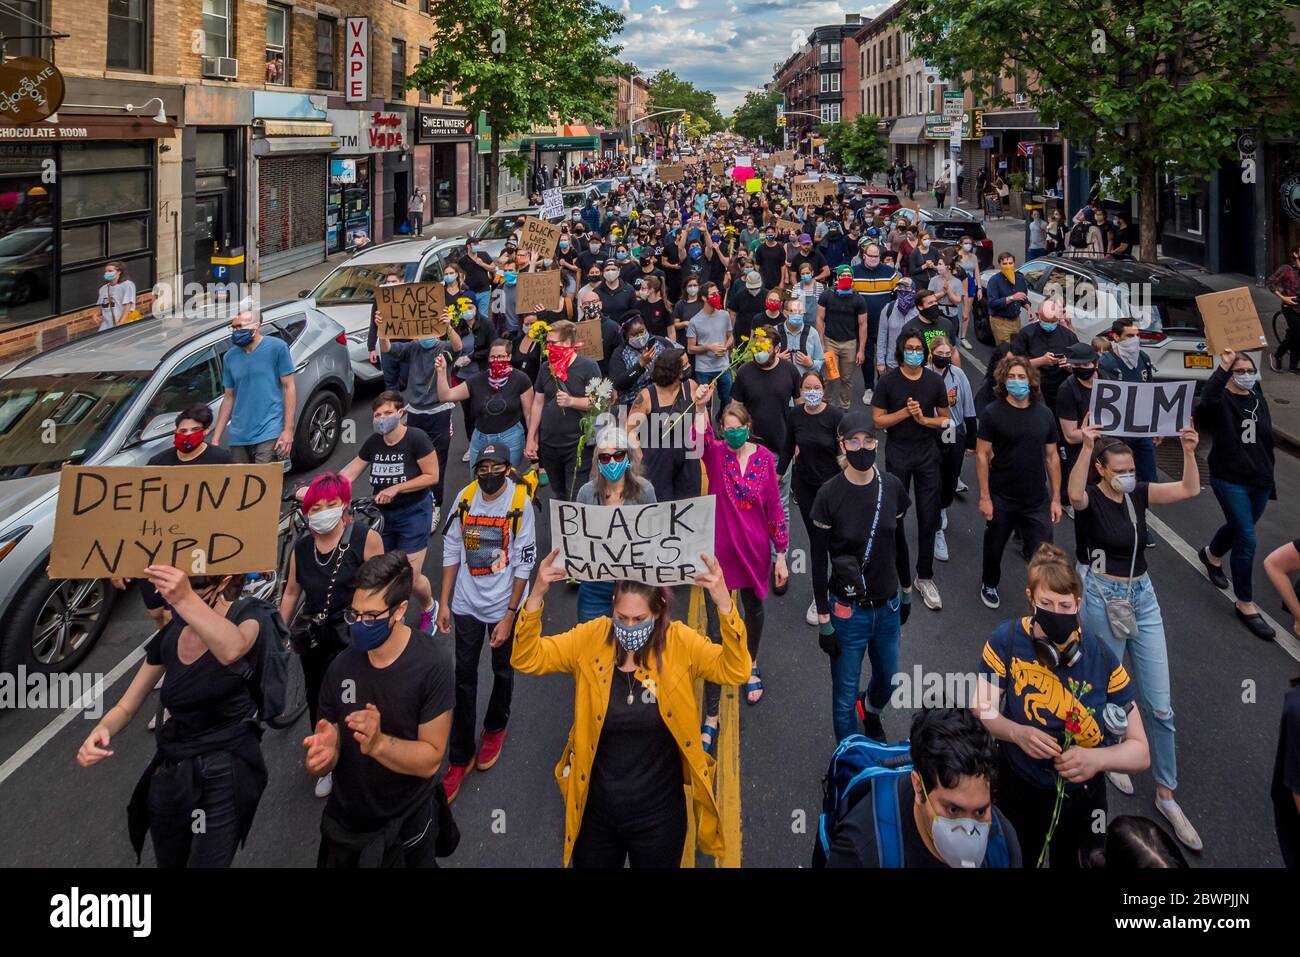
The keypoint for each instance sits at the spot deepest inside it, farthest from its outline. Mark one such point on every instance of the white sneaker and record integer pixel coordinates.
(465, 457)
(1123, 783)
(943, 520)
(966, 343)
(940, 547)
(325, 786)
(866, 397)
(437, 517)
(1182, 827)
(929, 593)
(811, 616)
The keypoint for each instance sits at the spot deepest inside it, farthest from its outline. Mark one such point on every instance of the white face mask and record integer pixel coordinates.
(326, 520)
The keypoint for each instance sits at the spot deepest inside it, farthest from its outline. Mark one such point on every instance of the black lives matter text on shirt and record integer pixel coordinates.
(1019, 438)
(848, 511)
(397, 463)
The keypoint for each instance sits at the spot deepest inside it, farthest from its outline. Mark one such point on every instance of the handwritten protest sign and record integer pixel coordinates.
(744, 161)
(717, 169)
(539, 236)
(113, 521)
(784, 156)
(552, 203)
(804, 194)
(537, 288)
(790, 226)
(799, 164)
(1231, 321)
(778, 171)
(827, 188)
(671, 173)
(589, 334)
(412, 310)
(1141, 408)
(657, 544)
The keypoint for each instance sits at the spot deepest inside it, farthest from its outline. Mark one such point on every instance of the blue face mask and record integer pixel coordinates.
(913, 357)
(511, 277)
(109, 276)
(428, 343)
(368, 635)
(696, 252)
(241, 337)
(620, 255)
(564, 245)
(613, 471)
(1049, 326)
(1017, 388)
(795, 321)
(844, 292)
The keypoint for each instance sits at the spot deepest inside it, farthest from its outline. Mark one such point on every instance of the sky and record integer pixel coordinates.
(726, 46)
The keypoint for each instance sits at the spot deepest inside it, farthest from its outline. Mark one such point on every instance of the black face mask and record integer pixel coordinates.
(492, 482)
(861, 459)
(942, 362)
(1083, 375)
(1059, 627)
(930, 312)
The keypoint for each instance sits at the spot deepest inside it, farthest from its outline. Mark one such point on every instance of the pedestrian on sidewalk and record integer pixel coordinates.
(415, 211)
(940, 191)
(1285, 284)
(116, 297)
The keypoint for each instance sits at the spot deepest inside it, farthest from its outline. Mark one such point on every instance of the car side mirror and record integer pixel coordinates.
(158, 426)
(303, 294)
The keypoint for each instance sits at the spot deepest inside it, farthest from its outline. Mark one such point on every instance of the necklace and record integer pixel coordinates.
(629, 686)
(329, 556)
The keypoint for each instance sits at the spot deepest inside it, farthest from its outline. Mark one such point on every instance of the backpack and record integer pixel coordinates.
(266, 666)
(857, 764)
(1078, 238)
(525, 491)
(803, 338)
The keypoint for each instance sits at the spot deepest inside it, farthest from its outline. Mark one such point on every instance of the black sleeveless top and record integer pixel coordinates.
(314, 577)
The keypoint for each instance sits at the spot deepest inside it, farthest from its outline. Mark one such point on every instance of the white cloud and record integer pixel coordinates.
(687, 4)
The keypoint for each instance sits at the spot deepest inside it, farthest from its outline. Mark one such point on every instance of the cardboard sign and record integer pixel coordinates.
(717, 169)
(754, 186)
(785, 157)
(1141, 408)
(671, 173)
(778, 171)
(539, 236)
(113, 521)
(790, 226)
(827, 188)
(1231, 321)
(537, 288)
(805, 194)
(589, 334)
(412, 310)
(552, 203)
(658, 544)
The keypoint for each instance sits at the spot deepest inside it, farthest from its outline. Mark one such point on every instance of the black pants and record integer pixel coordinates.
(418, 837)
(819, 559)
(172, 828)
(868, 355)
(1032, 521)
(952, 455)
(470, 635)
(654, 839)
(315, 661)
(1029, 808)
(751, 610)
(1291, 344)
(559, 466)
(438, 427)
(918, 468)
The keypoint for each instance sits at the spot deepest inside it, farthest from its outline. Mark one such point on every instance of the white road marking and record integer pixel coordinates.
(1284, 639)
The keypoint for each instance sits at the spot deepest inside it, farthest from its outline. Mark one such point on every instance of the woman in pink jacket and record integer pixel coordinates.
(742, 479)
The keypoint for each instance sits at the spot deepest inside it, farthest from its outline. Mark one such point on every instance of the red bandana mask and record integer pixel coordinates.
(559, 357)
(498, 368)
(844, 282)
(715, 301)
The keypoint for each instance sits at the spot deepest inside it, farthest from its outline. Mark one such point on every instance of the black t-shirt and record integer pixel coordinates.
(814, 258)
(893, 390)
(767, 394)
(476, 275)
(638, 768)
(1286, 779)
(1072, 401)
(847, 512)
(656, 317)
(770, 260)
(559, 427)
(816, 438)
(397, 463)
(929, 331)
(615, 302)
(1033, 341)
(501, 410)
(855, 845)
(1128, 234)
(1104, 525)
(745, 307)
(1018, 472)
(212, 455)
(205, 699)
(842, 314)
(414, 690)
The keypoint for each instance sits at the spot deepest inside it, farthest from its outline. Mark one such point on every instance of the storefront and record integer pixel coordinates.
(292, 139)
(447, 135)
(348, 204)
(368, 139)
(214, 176)
(552, 151)
(511, 191)
(1282, 204)
(1022, 143)
(905, 144)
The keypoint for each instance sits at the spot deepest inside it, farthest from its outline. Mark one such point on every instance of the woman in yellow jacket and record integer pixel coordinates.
(634, 740)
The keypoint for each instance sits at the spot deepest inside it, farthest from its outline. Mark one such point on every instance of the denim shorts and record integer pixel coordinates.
(408, 528)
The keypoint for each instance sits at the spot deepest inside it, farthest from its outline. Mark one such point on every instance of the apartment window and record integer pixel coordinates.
(898, 92)
(399, 70)
(909, 89)
(12, 24)
(277, 48)
(835, 83)
(216, 27)
(425, 53)
(889, 95)
(426, 6)
(127, 40)
(835, 52)
(325, 29)
(825, 83)
(826, 53)
(447, 95)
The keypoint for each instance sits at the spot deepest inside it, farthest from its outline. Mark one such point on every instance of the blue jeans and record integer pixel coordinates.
(1148, 661)
(395, 371)
(595, 600)
(1144, 459)
(512, 438)
(1035, 252)
(723, 386)
(872, 632)
(1242, 505)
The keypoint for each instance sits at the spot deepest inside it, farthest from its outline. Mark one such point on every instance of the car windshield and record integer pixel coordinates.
(577, 197)
(603, 186)
(22, 242)
(357, 283)
(499, 227)
(952, 232)
(47, 421)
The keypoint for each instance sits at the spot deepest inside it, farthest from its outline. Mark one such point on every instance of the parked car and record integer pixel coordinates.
(603, 186)
(947, 229)
(886, 201)
(1099, 291)
(575, 197)
(113, 398)
(347, 294)
(497, 228)
(849, 184)
(26, 257)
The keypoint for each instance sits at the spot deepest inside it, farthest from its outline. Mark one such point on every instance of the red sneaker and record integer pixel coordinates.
(490, 749)
(452, 780)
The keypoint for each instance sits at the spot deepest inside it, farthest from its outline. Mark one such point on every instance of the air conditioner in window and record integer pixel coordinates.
(1021, 99)
(889, 61)
(221, 67)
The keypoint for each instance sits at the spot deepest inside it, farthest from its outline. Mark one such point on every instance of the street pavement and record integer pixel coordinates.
(1227, 690)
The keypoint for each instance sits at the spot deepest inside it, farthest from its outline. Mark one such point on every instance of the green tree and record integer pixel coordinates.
(1153, 87)
(669, 91)
(531, 62)
(755, 119)
(857, 145)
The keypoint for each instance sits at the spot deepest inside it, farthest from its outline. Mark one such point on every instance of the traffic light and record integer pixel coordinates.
(686, 119)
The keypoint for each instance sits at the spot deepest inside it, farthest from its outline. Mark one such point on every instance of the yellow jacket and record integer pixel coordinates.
(586, 653)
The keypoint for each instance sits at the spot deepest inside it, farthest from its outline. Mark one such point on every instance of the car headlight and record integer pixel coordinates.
(10, 539)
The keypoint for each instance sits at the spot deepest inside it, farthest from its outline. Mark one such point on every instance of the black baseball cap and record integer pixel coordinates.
(1080, 353)
(856, 423)
(493, 452)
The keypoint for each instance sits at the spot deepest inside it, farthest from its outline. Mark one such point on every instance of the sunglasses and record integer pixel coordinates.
(605, 458)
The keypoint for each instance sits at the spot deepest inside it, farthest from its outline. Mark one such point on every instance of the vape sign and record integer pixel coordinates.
(356, 40)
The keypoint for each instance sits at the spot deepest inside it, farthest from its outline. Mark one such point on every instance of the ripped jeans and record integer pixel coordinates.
(1147, 659)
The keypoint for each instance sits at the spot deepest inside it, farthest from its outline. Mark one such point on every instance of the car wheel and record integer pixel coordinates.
(55, 623)
(980, 320)
(318, 430)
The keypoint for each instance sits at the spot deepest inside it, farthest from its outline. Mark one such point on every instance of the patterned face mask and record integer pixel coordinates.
(631, 639)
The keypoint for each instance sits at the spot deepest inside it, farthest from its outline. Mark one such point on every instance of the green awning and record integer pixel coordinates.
(561, 144)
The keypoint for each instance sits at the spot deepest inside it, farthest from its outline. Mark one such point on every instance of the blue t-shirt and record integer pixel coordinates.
(1040, 697)
(258, 412)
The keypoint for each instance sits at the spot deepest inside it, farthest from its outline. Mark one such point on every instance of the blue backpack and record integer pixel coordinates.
(856, 766)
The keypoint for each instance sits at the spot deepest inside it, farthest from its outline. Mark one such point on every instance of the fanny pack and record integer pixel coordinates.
(1119, 611)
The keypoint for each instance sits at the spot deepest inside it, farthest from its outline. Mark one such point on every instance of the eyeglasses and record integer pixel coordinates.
(860, 442)
(604, 458)
(353, 617)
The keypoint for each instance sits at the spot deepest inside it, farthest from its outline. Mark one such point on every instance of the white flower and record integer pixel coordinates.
(602, 390)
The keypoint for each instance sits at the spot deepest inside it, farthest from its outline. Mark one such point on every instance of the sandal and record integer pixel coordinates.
(709, 739)
(755, 683)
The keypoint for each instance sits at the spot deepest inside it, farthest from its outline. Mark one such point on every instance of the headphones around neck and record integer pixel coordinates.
(1053, 657)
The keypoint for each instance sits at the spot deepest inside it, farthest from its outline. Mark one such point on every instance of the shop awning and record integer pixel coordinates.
(561, 144)
(908, 129)
(1016, 120)
(295, 128)
(275, 145)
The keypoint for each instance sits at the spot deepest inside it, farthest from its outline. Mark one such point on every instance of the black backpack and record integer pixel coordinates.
(266, 666)
(1078, 238)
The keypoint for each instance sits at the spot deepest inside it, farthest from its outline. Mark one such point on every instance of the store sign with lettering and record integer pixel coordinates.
(386, 132)
(442, 126)
(356, 59)
(31, 89)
